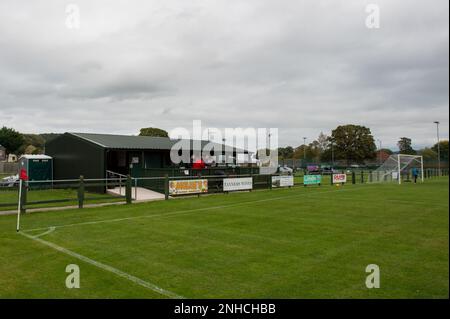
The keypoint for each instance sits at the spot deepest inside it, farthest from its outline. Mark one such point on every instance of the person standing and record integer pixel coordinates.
(415, 174)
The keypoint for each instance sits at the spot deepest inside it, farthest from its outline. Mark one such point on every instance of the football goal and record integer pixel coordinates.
(399, 168)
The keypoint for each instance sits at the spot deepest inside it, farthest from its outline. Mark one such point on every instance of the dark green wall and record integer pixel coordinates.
(73, 157)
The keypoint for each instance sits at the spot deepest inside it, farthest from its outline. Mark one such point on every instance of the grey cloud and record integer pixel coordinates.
(304, 67)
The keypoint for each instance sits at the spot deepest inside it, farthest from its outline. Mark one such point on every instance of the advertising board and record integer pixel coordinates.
(192, 186)
(237, 184)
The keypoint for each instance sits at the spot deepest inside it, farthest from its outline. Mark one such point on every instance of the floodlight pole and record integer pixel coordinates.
(439, 147)
(304, 150)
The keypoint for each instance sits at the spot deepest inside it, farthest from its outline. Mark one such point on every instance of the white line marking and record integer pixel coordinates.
(100, 265)
(188, 211)
(51, 229)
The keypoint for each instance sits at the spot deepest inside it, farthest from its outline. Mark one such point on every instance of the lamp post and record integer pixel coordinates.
(304, 150)
(439, 147)
(379, 151)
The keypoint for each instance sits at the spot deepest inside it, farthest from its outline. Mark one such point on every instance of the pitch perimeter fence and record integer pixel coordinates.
(124, 189)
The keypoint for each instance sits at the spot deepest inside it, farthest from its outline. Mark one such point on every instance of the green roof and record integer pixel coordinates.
(133, 142)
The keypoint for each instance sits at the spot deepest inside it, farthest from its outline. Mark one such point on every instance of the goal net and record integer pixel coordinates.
(399, 168)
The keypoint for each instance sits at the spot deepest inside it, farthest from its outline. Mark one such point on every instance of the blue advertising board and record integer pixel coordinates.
(312, 180)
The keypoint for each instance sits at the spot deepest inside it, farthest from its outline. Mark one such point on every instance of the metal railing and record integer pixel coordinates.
(77, 192)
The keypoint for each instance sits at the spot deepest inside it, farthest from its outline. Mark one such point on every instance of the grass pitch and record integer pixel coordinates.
(285, 243)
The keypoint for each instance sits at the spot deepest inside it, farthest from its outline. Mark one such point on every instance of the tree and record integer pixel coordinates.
(32, 144)
(428, 154)
(153, 131)
(323, 142)
(11, 139)
(31, 149)
(304, 151)
(285, 152)
(443, 145)
(353, 143)
(404, 146)
(313, 150)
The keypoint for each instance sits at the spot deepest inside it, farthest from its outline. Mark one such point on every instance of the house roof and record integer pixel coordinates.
(136, 142)
(37, 156)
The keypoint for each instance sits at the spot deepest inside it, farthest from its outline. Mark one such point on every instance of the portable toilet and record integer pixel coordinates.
(37, 167)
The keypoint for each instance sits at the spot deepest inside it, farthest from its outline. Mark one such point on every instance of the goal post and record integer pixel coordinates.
(406, 161)
(398, 167)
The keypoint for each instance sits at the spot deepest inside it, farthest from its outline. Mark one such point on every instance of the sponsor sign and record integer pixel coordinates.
(312, 179)
(339, 178)
(283, 181)
(394, 175)
(192, 186)
(237, 184)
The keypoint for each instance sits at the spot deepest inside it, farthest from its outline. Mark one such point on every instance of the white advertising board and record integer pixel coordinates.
(339, 178)
(237, 184)
(283, 181)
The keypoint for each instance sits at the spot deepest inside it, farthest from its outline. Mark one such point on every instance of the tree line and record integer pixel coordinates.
(352, 143)
(17, 143)
(355, 144)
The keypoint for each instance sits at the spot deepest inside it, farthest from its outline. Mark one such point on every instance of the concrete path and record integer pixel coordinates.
(138, 193)
(143, 195)
(49, 209)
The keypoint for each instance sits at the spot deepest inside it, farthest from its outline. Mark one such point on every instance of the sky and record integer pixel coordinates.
(303, 67)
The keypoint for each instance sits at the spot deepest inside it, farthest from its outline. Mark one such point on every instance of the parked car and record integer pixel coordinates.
(9, 181)
(285, 170)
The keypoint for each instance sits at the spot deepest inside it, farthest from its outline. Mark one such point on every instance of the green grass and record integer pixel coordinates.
(9, 198)
(312, 242)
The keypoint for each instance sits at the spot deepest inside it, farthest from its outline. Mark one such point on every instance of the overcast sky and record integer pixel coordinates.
(300, 66)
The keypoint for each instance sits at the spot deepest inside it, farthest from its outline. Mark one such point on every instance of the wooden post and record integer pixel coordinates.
(81, 192)
(166, 187)
(128, 190)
